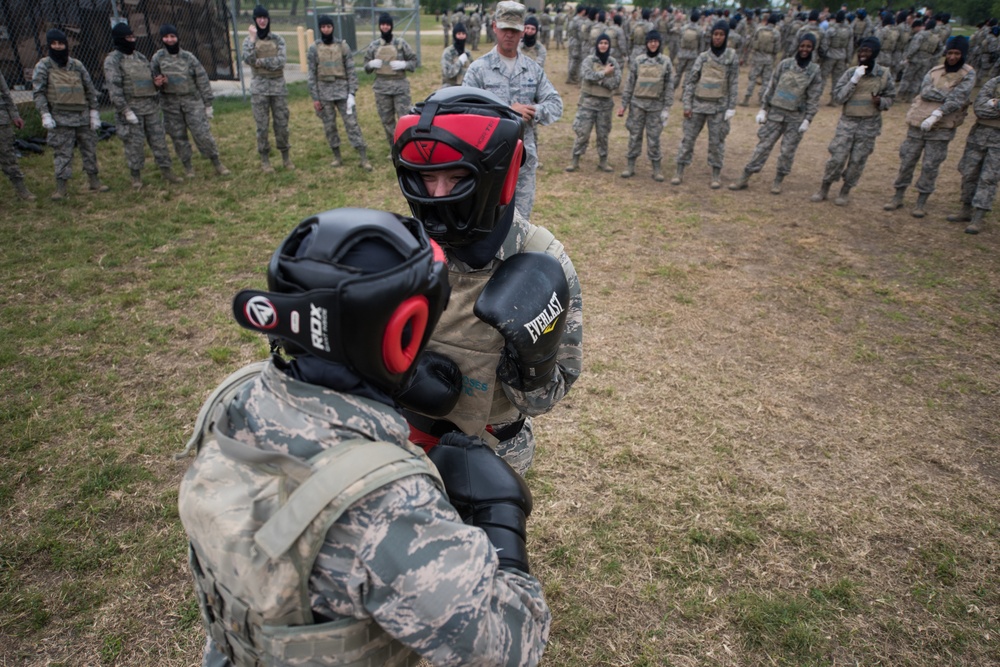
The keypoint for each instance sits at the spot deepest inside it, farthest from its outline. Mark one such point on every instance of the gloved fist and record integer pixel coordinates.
(48, 122)
(131, 118)
(664, 115)
(930, 121)
(992, 103)
(487, 493)
(351, 104)
(375, 63)
(95, 120)
(397, 65)
(804, 126)
(526, 301)
(464, 59)
(729, 115)
(761, 117)
(434, 387)
(209, 113)
(859, 72)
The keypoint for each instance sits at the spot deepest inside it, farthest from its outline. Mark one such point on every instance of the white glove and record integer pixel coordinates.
(803, 127)
(664, 115)
(992, 103)
(729, 115)
(375, 63)
(131, 118)
(209, 113)
(859, 72)
(48, 122)
(761, 117)
(95, 120)
(397, 64)
(464, 59)
(350, 104)
(931, 120)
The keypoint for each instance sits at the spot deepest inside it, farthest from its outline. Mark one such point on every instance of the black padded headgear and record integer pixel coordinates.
(646, 13)
(358, 287)
(468, 128)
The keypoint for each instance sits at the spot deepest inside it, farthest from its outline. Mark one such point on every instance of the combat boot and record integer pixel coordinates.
(716, 178)
(95, 183)
(962, 216)
(60, 192)
(136, 179)
(630, 169)
(336, 158)
(602, 164)
(220, 168)
(976, 222)
(776, 186)
(286, 161)
(657, 174)
(169, 176)
(918, 210)
(21, 190)
(265, 164)
(896, 201)
(844, 198)
(678, 176)
(189, 170)
(365, 164)
(575, 164)
(821, 194)
(741, 184)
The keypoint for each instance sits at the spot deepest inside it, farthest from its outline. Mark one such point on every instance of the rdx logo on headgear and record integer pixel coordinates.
(261, 313)
(543, 322)
(318, 327)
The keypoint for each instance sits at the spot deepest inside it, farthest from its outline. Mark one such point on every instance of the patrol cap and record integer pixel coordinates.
(510, 15)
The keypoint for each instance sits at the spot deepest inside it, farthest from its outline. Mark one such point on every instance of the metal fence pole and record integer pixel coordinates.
(236, 47)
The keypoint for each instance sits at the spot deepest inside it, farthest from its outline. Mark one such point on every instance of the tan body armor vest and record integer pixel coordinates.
(596, 31)
(988, 122)
(690, 39)
(765, 41)
(138, 78)
(66, 92)
(889, 39)
(595, 89)
(860, 105)
(713, 84)
(930, 45)
(252, 583)
(267, 48)
(649, 80)
(790, 91)
(178, 73)
(531, 52)
(943, 82)
(330, 62)
(387, 53)
(639, 33)
(840, 38)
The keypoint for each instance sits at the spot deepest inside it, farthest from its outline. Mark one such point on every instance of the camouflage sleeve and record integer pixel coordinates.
(765, 97)
(960, 94)
(473, 76)
(352, 73)
(548, 104)
(114, 81)
(913, 46)
(277, 62)
(633, 75)
(669, 85)
(311, 65)
(370, 54)
(543, 53)
(409, 55)
(691, 80)
(843, 88)
(733, 76)
(89, 89)
(981, 107)
(40, 86)
(813, 92)
(589, 73)
(201, 80)
(450, 65)
(154, 63)
(403, 556)
(888, 93)
(615, 79)
(7, 101)
(249, 50)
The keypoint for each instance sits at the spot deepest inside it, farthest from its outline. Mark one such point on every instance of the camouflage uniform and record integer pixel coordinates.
(837, 48)
(544, 28)
(889, 55)
(8, 115)
(446, 24)
(392, 90)
(330, 83)
(185, 97)
(538, 53)
(527, 85)
(646, 104)
(639, 31)
(474, 25)
(706, 109)
(398, 565)
(688, 48)
(558, 25)
(268, 91)
(980, 163)
(763, 46)
(596, 104)
(452, 69)
(576, 24)
(133, 92)
(72, 126)
(920, 54)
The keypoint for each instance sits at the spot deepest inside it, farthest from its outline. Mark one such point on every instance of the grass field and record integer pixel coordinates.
(783, 449)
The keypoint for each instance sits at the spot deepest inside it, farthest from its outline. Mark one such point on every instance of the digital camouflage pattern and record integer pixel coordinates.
(708, 112)
(400, 556)
(150, 128)
(186, 112)
(392, 91)
(919, 58)
(333, 96)
(980, 163)
(452, 69)
(8, 114)
(267, 85)
(761, 59)
(72, 127)
(644, 112)
(593, 111)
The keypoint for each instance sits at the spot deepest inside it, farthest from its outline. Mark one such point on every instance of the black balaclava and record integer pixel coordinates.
(802, 62)
(646, 13)
(876, 46)
(930, 24)
(773, 18)
(325, 19)
(385, 19)
(695, 15)
(723, 25)
(603, 57)
(167, 29)
(960, 43)
(260, 11)
(118, 35)
(529, 40)
(617, 20)
(651, 35)
(840, 16)
(814, 15)
(460, 43)
(61, 57)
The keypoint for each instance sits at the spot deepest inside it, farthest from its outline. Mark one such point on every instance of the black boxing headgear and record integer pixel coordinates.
(358, 287)
(467, 128)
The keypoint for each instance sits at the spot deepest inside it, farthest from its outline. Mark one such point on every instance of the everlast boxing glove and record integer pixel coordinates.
(434, 386)
(526, 301)
(487, 493)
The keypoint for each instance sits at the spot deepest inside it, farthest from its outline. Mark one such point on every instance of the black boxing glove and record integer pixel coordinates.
(434, 387)
(526, 301)
(487, 493)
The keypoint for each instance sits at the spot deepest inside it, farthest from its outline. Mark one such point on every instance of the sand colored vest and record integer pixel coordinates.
(649, 82)
(387, 53)
(790, 91)
(595, 89)
(66, 91)
(860, 103)
(179, 81)
(930, 45)
(943, 83)
(690, 39)
(765, 41)
(713, 84)
(138, 79)
(330, 62)
(267, 48)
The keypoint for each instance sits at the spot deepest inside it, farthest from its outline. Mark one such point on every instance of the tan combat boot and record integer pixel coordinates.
(286, 161)
(716, 182)
(630, 169)
(678, 176)
(169, 176)
(776, 186)
(962, 216)
(365, 164)
(60, 192)
(743, 183)
(918, 210)
(896, 201)
(602, 164)
(976, 223)
(21, 190)
(821, 194)
(844, 198)
(220, 168)
(95, 183)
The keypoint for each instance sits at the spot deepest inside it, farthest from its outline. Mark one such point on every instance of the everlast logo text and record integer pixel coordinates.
(318, 327)
(542, 323)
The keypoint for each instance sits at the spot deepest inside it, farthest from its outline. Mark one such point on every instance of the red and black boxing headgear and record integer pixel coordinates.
(467, 128)
(359, 287)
